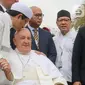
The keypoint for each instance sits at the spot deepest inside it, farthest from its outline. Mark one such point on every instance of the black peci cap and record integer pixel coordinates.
(63, 13)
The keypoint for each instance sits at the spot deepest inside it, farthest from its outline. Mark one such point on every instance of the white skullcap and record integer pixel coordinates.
(22, 8)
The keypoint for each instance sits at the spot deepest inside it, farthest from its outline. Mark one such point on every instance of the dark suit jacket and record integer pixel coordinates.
(46, 44)
(78, 57)
(12, 32)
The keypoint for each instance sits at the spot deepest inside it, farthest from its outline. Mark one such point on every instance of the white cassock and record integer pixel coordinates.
(34, 69)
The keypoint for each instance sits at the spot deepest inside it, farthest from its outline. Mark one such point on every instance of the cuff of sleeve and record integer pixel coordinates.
(59, 80)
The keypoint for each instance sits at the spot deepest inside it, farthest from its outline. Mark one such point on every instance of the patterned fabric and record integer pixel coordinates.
(36, 37)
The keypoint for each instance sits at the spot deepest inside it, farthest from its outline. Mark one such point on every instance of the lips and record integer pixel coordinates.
(25, 45)
(63, 26)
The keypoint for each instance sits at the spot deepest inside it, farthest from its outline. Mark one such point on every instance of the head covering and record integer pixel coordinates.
(63, 13)
(22, 8)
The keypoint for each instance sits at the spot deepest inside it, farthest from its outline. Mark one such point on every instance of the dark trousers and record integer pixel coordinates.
(69, 83)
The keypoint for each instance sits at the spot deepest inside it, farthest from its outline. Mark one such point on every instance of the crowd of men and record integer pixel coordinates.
(30, 55)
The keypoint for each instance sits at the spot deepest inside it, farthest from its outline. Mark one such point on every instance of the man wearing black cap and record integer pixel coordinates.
(64, 43)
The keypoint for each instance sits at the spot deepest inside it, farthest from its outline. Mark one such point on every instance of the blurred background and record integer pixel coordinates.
(51, 7)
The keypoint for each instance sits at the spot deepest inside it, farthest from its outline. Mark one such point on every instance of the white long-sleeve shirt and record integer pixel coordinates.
(5, 25)
(64, 46)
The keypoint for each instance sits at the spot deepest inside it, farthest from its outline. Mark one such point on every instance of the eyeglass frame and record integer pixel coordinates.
(39, 15)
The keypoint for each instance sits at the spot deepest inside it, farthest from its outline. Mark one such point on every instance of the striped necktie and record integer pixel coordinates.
(36, 37)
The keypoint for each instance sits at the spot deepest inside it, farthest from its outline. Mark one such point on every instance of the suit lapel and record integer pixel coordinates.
(40, 38)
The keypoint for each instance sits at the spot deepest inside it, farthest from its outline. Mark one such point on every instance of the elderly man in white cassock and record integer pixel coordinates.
(30, 68)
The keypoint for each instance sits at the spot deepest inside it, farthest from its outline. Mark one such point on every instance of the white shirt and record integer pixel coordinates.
(64, 46)
(5, 25)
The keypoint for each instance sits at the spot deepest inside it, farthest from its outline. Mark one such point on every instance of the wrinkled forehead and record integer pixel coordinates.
(36, 10)
(22, 32)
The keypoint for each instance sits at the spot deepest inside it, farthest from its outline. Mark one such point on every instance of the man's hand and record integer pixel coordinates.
(77, 83)
(4, 65)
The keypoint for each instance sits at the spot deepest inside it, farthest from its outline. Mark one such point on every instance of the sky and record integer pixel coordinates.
(51, 7)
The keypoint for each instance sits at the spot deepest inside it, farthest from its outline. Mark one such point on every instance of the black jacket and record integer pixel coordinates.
(46, 44)
(78, 57)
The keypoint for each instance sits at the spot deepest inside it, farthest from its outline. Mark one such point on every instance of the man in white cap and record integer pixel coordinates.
(16, 17)
(4, 6)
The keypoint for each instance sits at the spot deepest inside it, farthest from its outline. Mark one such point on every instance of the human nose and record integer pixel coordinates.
(26, 40)
(63, 21)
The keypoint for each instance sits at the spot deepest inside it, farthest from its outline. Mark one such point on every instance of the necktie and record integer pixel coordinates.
(36, 37)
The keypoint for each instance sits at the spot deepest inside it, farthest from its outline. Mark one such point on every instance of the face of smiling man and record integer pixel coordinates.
(22, 40)
(64, 24)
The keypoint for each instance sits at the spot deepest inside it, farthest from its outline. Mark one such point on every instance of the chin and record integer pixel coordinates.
(27, 50)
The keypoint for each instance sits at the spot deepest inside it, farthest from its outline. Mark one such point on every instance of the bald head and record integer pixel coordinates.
(35, 8)
(22, 40)
(36, 20)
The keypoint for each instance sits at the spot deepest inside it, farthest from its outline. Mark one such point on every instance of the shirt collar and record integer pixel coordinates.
(21, 52)
(3, 7)
(31, 28)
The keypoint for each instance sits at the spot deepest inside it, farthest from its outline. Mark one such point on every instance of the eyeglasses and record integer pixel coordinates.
(39, 15)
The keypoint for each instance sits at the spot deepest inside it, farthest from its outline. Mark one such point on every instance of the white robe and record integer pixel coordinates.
(46, 70)
(64, 46)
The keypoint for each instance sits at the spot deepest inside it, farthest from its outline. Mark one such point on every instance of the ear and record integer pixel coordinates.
(14, 40)
(19, 16)
(56, 22)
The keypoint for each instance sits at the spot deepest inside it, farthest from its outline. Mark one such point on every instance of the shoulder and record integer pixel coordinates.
(73, 33)
(40, 57)
(4, 18)
(44, 31)
(57, 36)
(81, 29)
(11, 54)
